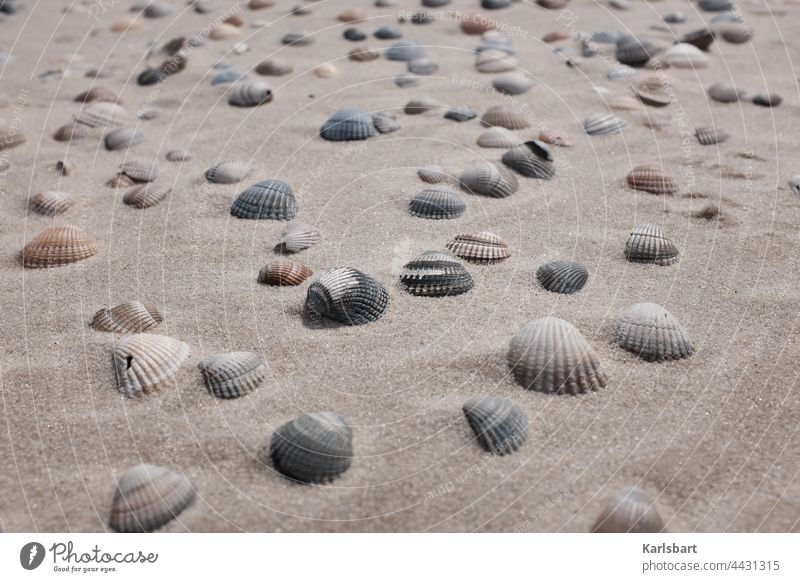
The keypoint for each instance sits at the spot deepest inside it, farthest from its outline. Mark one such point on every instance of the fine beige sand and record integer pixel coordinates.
(713, 439)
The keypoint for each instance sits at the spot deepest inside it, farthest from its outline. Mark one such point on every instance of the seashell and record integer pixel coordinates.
(228, 76)
(388, 33)
(298, 236)
(653, 92)
(499, 424)
(651, 179)
(435, 3)
(121, 181)
(68, 132)
(734, 32)
(235, 20)
(631, 511)
(385, 123)
(102, 114)
(710, 135)
(437, 202)
(233, 374)
(495, 4)
(97, 94)
(422, 66)
(249, 94)
(623, 103)
(605, 37)
(150, 76)
(56, 246)
(128, 317)
(313, 448)
(157, 10)
(434, 174)
(326, 70)
(347, 296)
(148, 497)
(224, 31)
(422, 18)
(297, 39)
(701, 38)
(715, 5)
(363, 54)
(487, 179)
(147, 113)
(555, 36)
(283, 273)
(684, 56)
(227, 172)
(178, 156)
(354, 35)
(146, 195)
(532, 159)
(634, 52)
(794, 184)
(436, 274)
(725, 93)
(146, 363)
(565, 277)
(404, 50)
(460, 114)
(348, 124)
(495, 61)
(513, 83)
(620, 72)
(122, 138)
(260, 4)
(173, 65)
(651, 332)
(656, 119)
(139, 171)
(406, 80)
(273, 67)
(64, 167)
(270, 199)
(503, 116)
(477, 24)
(498, 137)
(768, 100)
(603, 124)
(51, 203)
(482, 248)
(550, 137)
(422, 105)
(126, 23)
(352, 15)
(647, 244)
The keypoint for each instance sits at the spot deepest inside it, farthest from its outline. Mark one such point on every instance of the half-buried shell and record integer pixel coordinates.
(233, 374)
(630, 511)
(503, 116)
(647, 244)
(128, 317)
(146, 195)
(532, 159)
(648, 178)
(498, 137)
(434, 174)
(562, 276)
(270, 199)
(513, 83)
(148, 497)
(634, 52)
(483, 247)
(57, 246)
(436, 274)
(348, 296)
(486, 179)
(437, 202)
(651, 332)
(499, 425)
(102, 114)
(51, 203)
(348, 124)
(227, 172)
(603, 124)
(139, 171)
(284, 273)
(298, 236)
(146, 363)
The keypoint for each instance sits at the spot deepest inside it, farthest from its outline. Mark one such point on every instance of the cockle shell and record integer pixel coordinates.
(422, 66)
(683, 56)
(350, 123)
(388, 33)
(550, 355)
(436, 274)
(313, 448)
(122, 138)
(503, 116)
(233, 374)
(146, 363)
(647, 244)
(498, 137)
(270, 199)
(363, 54)
(603, 124)
(476, 24)
(227, 172)
(725, 93)
(551, 137)
(653, 91)
(633, 51)
(56, 246)
(146, 195)
(354, 35)
(434, 175)
(348, 296)
(352, 15)
(487, 179)
(710, 135)
(630, 511)
(495, 61)
(437, 202)
(326, 70)
(422, 105)
(51, 203)
(404, 51)
(102, 114)
(224, 31)
(298, 236)
(97, 94)
(284, 273)
(178, 156)
(482, 248)
(651, 332)
(273, 67)
(562, 276)
(513, 83)
(499, 425)
(128, 317)
(734, 32)
(249, 94)
(532, 159)
(385, 123)
(653, 179)
(701, 38)
(139, 171)
(72, 131)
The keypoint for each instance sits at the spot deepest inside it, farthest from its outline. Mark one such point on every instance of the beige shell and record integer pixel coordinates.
(487, 179)
(148, 497)
(283, 273)
(146, 363)
(51, 203)
(363, 54)
(178, 156)
(495, 61)
(352, 15)
(434, 174)
(423, 105)
(647, 244)
(624, 103)
(128, 317)
(503, 116)
(56, 246)
(630, 511)
(499, 137)
(326, 70)
(233, 374)
(656, 119)
(146, 195)
(126, 23)
(683, 56)
(653, 179)
(139, 171)
(102, 114)
(72, 131)
(482, 248)
(651, 332)
(298, 236)
(551, 137)
(653, 91)
(224, 31)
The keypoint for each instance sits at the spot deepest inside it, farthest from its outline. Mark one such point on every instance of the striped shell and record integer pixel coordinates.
(128, 317)
(178, 156)
(139, 171)
(630, 511)
(313, 448)
(701, 38)
(57, 246)
(651, 179)
(498, 137)
(347, 296)
(422, 105)
(436, 274)
(102, 114)
(562, 276)
(603, 124)
(550, 355)
(404, 51)
(634, 52)
(385, 123)
(298, 236)
(495, 61)
(513, 83)
(363, 54)
(51, 203)
(270, 199)
(531, 159)
(500, 426)
(652, 333)
(233, 374)
(348, 124)
(437, 202)
(146, 363)
(274, 67)
(647, 244)
(710, 136)
(148, 497)
(503, 116)
(483, 247)
(283, 273)
(487, 179)
(71, 131)
(249, 94)
(725, 93)
(227, 172)
(434, 174)
(146, 195)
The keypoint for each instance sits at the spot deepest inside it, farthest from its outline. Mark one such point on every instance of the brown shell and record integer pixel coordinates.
(651, 179)
(284, 273)
(503, 116)
(352, 15)
(630, 511)
(128, 317)
(72, 131)
(482, 248)
(273, 67)
(146, 195)
(363, 54)
(97, 94)
(56, 246)
(551, 137)
(51, 203)
(477, 24)
(710, 135)
(647, 244)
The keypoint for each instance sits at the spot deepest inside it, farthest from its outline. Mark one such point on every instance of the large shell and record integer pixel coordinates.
(648, 178)
(630, 511)
(146, 363)
(647, 244)
(233, 374)
(495, 61)
(249, 94)
(710, 135)
(503, 116)
(483, 247)
(56, 246)
(139, 171)
(725, 93)
(436, 274)
(102, 114)
(404, 51)
(146, 195)
(531, 159)
(348, 296)
(298, 236)
(651, 332)
(284, 273)
(487, 179)
(313, 448)
(350, 123)
(51, 203)
(147, 497)
(550, 355)
(437, 202)
(633, 51)
(498, 137)
(500, 426)
(227, 172)
(603, 124)
(513, 83)
(562, 276)
(271, 199)
(274, 67)
(128, 317)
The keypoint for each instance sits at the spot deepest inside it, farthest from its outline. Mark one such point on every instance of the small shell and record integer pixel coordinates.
(422, 105)
(715, 5)
(437, 202)
(157, 10)
(436, 274)
(72, 131)
(270, 199)
(513, 83)
(404, 51)
(273, 67)
(631, 511)
(620, 72)
(684, 56)
(562, 276)
(97, 94)
(151, 76)
(403, 81)
(363, 54)
(297, 39)
(385, 123)
(326, 70)
(146, 195)
(313, 448)
(499, 425)
(482, 248)
(148, 497)
(768, 100)
(233, 374)
(298, 236)
(250, 94)
(347, 296)
(653, 92)
(487, 179)
(710, 136)
(57, 246)
(531, 159)
(129, 317)
(603, 124)
(122, 138)
(102, 114)
(794, 184)
(502, 116)
(647, 244)
(725, 93)
(121, 181)
(633, 51)
(623, 103)
(495, 61)
(354, 35)
(126, 23)
(51, 203)
(422, 66)
(284, 273)
(139, 171)
(550, 355)
(146, 363)
(388, 33)
(734, 32)
(551, 137)
(348, 124)
(652, 333)
(224, 31)
(227, 172)
(498, 137)
(434, 175)
(476, 24)
(651, 179)
(352, 15)
(178, 156)
(656, 119)
(701, 38)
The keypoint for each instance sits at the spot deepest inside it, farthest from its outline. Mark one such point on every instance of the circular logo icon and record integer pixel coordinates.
(31, 555)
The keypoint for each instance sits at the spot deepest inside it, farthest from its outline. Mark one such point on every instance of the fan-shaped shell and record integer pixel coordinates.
(603, 124)
(388, 33)
(487, 179)
(513, 83)
(630, 511)
(274, 67)
(476, 24)
(422, 105)
(148, 497)
(651, 179)
(250, 94)
(326, 70)
(348, 296)
(227, 172)
(56, 246)
(385, 123)
(102, 114)
(224, 31)
(500, 426)
(483, 247)
(562, 276)
(422, 66)
(128, 317)
(725, 93)
(550, 355)
(436, 274)
(139, 171)
(647, 244)
(653, 91)
(437, 202)
(684, 56)
(233, 374)
(551, 137)
(146, 363)
(146, 195)
(495, 61)
(503, 116)
(284, 273)
(298, 236)
(531, 159)
(710, 135)
(122, 138)
(651, 332)
(313, 448)
(270, 199)
(178, 156)
(404, 51)
(51, 203)
(434, 174)
(72, 131)
(633, 51)
(350, 123)
(97, 94)
(499, 137)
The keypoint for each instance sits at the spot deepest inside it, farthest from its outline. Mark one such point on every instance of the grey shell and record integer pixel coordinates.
(146, 195)
(122, 138)
(404, 51)
(630, 511)
(227, 172)
(436, 274)
(298, 236)
(500, 426)
(249, 94)
(422, 66)
(102, 114)
(148, 497)
(139, 171)
(274, 68)
(51, 203)
(482, 248)
(487, 179)
(532, 159)
(498, 137)
(406, 80)
(460, 114)
(603, 124)
(725, 93)
(270, 199)
(297, 39)
(178, 156)
(228, 76)
(513, 83)
(348, 296)
(388, 33)
(633, 51)
(651, 332)
(385, 123)
(562, 276)
(647, 244)
(348, 124)
(434, 174)
(503, 116)
(715, 5)
(701, 38)
(233, 374)
(128, 317)
(437, 202)
(710, 135)
(146, 363)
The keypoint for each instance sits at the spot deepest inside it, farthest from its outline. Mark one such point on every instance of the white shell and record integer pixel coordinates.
(298, 236)
(146, 362)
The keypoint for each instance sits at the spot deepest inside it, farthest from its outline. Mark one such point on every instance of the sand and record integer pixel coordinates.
(713, 439)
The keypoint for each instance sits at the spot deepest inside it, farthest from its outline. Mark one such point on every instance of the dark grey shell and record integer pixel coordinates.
(437, 202)
(715, 5)
(404, 51)
(249, 94)
(562, 276)
(436, 274)
(271, 199)
(227, 172)
(630, 511)
(487, 179)
(701, 38)
(634, 52)
(122, 138)
(313, 448)
(482, 247)
(531, 159)
(348, 124)
(772, 100)
(652, 333)
(297, 39)
(388, 33)
(348, 296)
(710, 135)
(647, 244)
(422, 66)
(603, 124)
(146, 195)
(150, 76)
(233, 374)
(500, 426)
(460, 114)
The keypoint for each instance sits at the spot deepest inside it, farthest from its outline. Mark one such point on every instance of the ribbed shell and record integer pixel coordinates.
(51, 203)
(283, 273)
(363, 54)
(434, 174)
(652, 92)
(651, 332)
(56, 246)
(139, 171)
(404, 51)
(298, 236)
(128, 317)
(348, 296)
(483, 247)
(270, 199)
(633, 51)
(233, 374)
(313, 448)
(102, 114)
(72, 131)
(710, 136)
(647, 244)
(651, 179)
(436, 274)
(385, 123)
(562, 276)
(551, 137)
(350, 123)
(623, 103)
(422, 105)
(178, 156)
(630, 511)
(227, 172)
(498, 137)
(725, 93)
(701, 38)
(531, 159)
(146, 195)
(495, 61)
(145, 363)
(148, 497)
(500, 426)
(249, 94)
(550, 355)
(603, 124)
(460, 114)
(273, 67)
(437, 202)
(503, 116)
(488, 180)
(513, 83)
